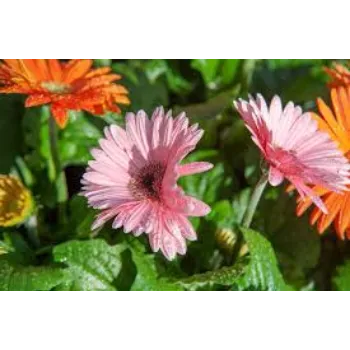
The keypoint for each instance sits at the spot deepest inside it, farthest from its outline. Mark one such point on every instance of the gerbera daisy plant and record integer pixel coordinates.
(133, 179)
(74, 85)
(293, 148)
(64, 86)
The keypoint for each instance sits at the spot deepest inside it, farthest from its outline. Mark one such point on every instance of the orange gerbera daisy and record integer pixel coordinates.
(336, 123)
(339, 74)
(66, 86)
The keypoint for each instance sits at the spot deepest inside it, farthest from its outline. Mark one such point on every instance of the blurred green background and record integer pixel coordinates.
(288, 255)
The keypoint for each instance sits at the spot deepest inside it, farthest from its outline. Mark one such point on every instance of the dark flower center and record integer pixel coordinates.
(147, 184)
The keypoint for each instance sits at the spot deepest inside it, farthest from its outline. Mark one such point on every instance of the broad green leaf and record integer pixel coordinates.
(147, 277)
(92, 265)
(226, 276)
(262, 272)
(78, 137)
(25, 278)
(11, 109)
(341, 279)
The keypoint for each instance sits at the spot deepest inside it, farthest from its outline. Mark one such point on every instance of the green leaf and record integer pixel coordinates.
(81, 217)
(38, 154)
(217, 72)
(37, 141)
(226, 276)
(10, 131)
(229, 69)
(144, 94)
(209, 69)
(222, 214)
(78, 137)
(92, 265)
(262, 272)
(341, 279)
(147, 277)
(20, 278)
(18, 249)
(164, 69)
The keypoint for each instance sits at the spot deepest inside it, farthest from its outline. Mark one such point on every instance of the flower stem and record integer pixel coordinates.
(60, 177)
(254, 200)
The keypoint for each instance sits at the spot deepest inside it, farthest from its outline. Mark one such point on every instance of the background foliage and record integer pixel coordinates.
(282, 252)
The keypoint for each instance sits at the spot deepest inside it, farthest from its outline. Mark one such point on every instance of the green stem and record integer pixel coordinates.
(254, 200)
(60, 177)
(32, 229)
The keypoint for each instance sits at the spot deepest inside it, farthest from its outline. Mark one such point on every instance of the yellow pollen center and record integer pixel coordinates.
(15, 201)
(56, 88)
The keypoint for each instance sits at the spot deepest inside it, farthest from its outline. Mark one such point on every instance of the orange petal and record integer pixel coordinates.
(323, 126)
(316, 213)
(117, 89)
(60, 114)
(343, 220)
(37, 100)
(77, 70)
(97, 72)
(329, 117)
(303, 205)
(29, 70)
(43, 72)
(341, 108)
(55, 69)
(333, 205)
(14, 64)
(122, 99)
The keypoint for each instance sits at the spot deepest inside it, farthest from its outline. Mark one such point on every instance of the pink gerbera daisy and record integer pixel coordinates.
(294, 148)
(133, 179)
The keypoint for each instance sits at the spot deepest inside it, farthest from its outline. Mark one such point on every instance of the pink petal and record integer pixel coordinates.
(194, 168)
(275, 176)
(195, 207)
